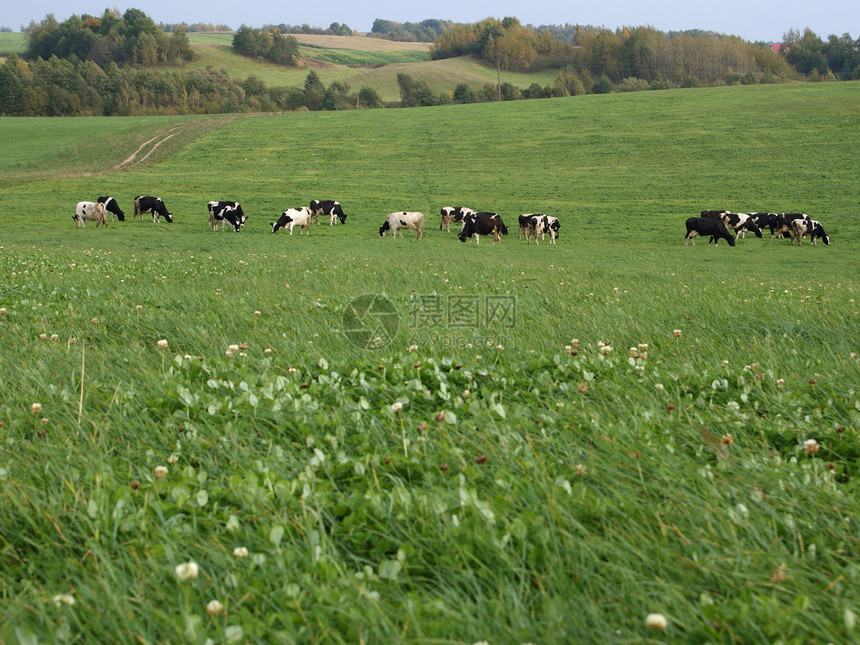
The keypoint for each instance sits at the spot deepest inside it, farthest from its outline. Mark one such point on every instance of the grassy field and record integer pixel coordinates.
(340, 58)
(12, 42)
(479, 476)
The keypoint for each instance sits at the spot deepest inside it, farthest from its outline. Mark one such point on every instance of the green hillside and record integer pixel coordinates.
(215, 50)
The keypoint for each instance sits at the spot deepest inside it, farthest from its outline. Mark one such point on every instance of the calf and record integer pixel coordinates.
(327, 207)
(229, 212)
(92, 211)
(155, 205)
(400, 220)
(453, 214)
(483, 223)
(291, 217)
(111, 206)
(707, 226)
(812, 228)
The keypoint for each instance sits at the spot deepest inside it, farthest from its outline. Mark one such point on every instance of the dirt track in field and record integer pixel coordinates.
(132, 159)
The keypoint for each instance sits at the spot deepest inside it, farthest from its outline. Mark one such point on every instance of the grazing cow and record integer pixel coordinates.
(327, 207)
(784, 222)
(155, 205)
(226, 213)
(400, 220)
(812, 228)
(483, 223)
(552, 226)
(453, 214)
(713, 214)
(740, 223)
(707, 226)
(111, 206)
(765, 220)
(291, 217)
(92, 211)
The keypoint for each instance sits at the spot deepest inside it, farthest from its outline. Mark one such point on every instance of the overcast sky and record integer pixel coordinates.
(754, 20)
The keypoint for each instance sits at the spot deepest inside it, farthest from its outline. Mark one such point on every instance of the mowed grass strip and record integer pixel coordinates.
(526, 487)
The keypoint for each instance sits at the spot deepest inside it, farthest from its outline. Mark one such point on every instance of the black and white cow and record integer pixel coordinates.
(784, 222)
(740, 223)
(707, 226)
(328, 207)
(403, 220)
(812, 228)
(155, 205)
(551, 226)
(226, 213)
(524, 222)
(765, 221)
(714, 214)
(111, 206)
(89, 211)
(291, 217)
(532, 225)
(483, 223)
(453, 214)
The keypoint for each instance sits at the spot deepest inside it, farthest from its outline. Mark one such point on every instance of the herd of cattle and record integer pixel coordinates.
(717, 224)
(473, 223)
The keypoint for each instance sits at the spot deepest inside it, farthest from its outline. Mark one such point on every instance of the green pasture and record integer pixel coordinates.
(483, 470)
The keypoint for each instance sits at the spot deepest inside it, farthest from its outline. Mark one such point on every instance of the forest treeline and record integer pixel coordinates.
(114, 64)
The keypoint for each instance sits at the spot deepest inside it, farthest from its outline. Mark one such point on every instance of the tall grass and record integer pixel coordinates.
(530, 490)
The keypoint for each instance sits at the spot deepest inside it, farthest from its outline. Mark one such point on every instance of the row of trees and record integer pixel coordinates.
(269, 44)
(130, 38)
(334, 29)
(809, 54)
(640, 52)
(426, 31)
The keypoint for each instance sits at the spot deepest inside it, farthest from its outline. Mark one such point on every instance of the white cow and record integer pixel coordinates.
(403, 219)
(291, 217)
(92, 211)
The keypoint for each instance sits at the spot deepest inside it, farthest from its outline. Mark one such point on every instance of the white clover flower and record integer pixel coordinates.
(256, 313)
(291, 370)
(43, 336)
(2, 311)
(810, 446)
(397, 406)
(643, 347)
(656, 621)
(677, 334)
(606, 350)
(160, 472)
(172, 459)
(139, 307)
(162, 344)
(233, 348)
(659, 386)
(54, 337)
(240, 552)
(500, 348)
(574, 342)
(36, 408)
(412, 348)
(187, 571)
(213, 608)
(64, 599)
(268, 350)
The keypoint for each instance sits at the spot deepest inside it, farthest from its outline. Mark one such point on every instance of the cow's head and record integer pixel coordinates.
(385, 227)
(169, 217)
